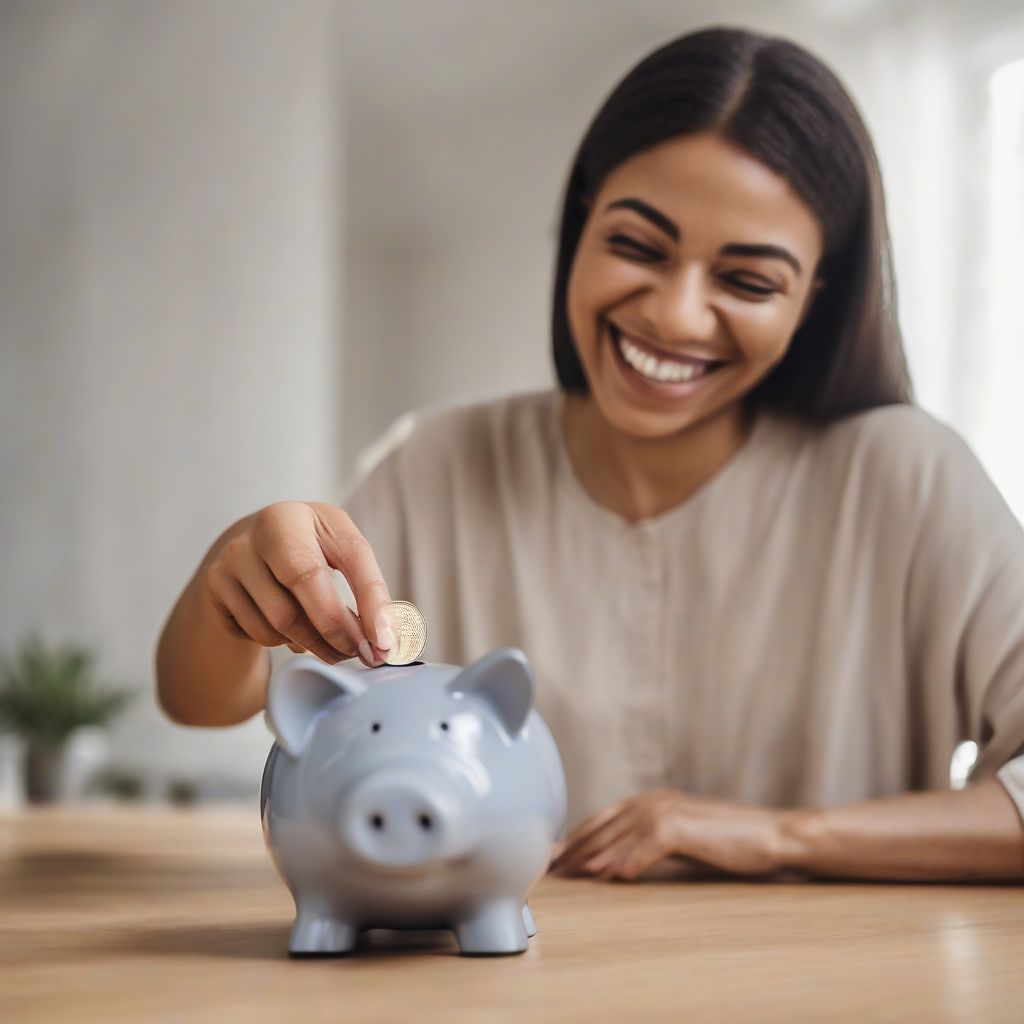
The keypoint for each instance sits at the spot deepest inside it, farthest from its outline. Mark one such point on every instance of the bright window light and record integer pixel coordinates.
(964, 757)
(1001, 427)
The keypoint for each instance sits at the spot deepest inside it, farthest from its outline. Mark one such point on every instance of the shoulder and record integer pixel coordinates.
(481, 421)
(461, 436)
(910, 464)
(891, 446)
(902, 444)
(898, 429)
(893, 465)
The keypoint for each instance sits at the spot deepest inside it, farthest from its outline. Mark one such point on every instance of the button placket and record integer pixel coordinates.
(644, 727)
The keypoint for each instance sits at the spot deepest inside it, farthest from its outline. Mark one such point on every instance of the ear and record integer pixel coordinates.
(504, 680)
(298, 691)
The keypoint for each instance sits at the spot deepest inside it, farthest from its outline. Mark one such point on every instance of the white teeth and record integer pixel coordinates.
(657, 369)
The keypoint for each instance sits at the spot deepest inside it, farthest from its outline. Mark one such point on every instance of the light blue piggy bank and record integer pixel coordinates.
(413, 796)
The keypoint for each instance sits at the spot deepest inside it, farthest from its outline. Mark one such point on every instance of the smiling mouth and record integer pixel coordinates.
(660, 370)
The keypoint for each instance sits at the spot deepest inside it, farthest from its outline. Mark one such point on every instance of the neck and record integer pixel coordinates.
(638, 478)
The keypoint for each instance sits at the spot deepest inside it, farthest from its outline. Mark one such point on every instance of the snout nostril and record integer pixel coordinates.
(425, 821)
(377, 821)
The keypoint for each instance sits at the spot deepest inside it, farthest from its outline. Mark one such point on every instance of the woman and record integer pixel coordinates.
(764, 594)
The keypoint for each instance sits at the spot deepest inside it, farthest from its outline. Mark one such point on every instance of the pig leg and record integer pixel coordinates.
(318, 929)
(497, 928)
(531, 927)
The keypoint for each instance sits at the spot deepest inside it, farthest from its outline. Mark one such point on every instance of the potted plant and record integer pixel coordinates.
(45, 694)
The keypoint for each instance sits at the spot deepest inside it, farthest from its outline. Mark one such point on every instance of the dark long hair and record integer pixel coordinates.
(781, 105)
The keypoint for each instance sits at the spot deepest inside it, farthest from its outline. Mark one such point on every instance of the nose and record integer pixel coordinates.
(682, 311)
(401, 818)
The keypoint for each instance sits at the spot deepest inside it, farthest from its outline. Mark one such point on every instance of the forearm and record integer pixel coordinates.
(205, 674)
(946, 835)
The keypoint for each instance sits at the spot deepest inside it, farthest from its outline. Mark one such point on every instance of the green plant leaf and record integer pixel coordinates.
(48, 692)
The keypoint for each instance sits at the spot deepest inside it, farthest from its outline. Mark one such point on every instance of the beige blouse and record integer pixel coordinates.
(822, 621)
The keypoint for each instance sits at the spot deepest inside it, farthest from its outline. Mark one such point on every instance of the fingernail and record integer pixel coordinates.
(385, 635)
(366, 654)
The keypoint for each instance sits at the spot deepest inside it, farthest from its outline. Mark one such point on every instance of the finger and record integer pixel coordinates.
(229, 621)
(311, 642)
(366, 652)
(598, 840)
(575, 860)
(623, 860)
(630, 861)
(280, 608)
(219, 590)
(591, 824)
(369, 653)
(243, 611)
(285, 538)
(601, 863)
(609, 856)
(347, 550)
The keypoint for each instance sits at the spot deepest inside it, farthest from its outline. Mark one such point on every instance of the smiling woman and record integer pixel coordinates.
(687, 286)
(761, 133)
(765, 596)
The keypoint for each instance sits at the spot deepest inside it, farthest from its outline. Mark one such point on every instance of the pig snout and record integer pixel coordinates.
(406, 817)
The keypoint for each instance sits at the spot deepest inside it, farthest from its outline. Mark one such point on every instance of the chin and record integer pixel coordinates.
(646, 425)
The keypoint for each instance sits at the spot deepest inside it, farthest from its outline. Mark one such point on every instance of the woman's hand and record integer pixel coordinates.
(624, 840)
(269, 578)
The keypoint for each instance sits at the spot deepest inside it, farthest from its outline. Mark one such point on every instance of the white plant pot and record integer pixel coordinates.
(12, 772)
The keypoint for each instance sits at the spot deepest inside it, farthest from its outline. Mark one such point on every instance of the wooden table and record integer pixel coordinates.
(152, 914)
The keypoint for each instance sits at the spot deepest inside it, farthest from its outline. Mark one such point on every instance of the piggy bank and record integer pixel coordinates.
(413, 796)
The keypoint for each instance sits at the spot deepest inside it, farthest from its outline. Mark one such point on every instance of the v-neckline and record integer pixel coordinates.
(671, 518)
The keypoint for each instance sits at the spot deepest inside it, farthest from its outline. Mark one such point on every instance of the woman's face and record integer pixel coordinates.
(692, 251)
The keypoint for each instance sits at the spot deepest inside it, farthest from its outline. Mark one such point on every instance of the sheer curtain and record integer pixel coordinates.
(996, 408)
(943, 90)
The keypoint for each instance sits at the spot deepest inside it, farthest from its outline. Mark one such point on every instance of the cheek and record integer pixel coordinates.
(763, 330)
(580, 304)
(596, 284)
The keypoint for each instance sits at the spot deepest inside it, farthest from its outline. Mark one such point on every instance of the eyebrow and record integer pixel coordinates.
(659, 220)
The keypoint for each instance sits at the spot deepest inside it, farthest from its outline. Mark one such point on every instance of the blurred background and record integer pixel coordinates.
(239, 239)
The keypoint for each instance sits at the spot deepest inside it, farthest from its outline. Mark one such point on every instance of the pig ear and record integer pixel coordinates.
(298, 691)
(504, 680)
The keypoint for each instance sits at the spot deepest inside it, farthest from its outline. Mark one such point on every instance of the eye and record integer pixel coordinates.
(748, 286)
(375, 727)
(444, 726)
(636, 251)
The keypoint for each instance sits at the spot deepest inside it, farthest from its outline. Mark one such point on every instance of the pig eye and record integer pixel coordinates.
(375, 727)
(444, 726)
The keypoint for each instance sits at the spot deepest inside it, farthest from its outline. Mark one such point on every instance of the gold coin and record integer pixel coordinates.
(410, 629)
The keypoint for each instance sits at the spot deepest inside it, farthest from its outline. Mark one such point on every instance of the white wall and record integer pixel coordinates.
(176, 276)
(169, 224)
